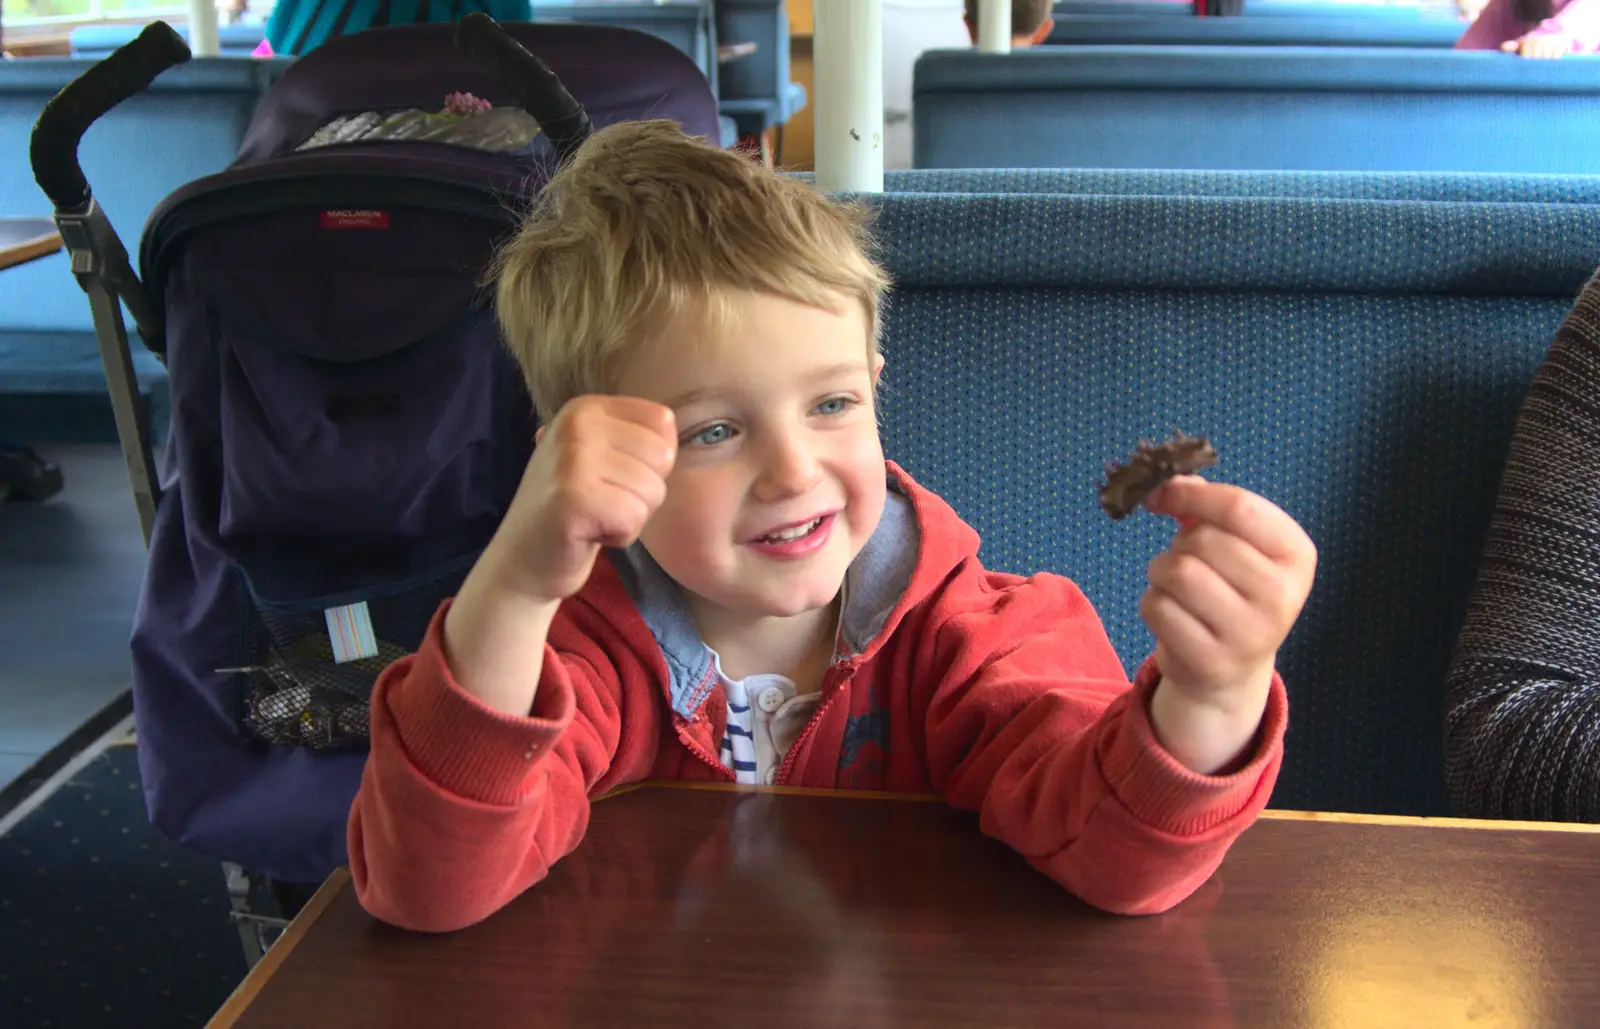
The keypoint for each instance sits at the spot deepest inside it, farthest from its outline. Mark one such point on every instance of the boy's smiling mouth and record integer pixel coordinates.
(796, 539)
(792, 533)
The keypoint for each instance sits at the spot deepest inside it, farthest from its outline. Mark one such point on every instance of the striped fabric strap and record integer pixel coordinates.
(350, 632)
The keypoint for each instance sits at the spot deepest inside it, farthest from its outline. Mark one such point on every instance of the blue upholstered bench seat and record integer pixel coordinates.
(1360, 362)
(1319, 30)
(1268, 108)
(1470, 187)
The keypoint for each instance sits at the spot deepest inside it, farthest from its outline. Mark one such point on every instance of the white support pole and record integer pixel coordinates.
(847, 47)
(994, 26)
(203, 28)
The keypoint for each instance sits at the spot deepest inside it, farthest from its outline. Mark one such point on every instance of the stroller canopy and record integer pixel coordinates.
(617, 74)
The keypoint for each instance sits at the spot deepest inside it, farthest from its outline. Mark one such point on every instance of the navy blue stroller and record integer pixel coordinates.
(347, 428)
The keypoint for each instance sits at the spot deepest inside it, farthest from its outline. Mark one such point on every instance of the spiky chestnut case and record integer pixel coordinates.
(1128, 484)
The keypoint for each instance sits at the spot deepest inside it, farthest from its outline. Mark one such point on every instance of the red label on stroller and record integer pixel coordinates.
(355, 218)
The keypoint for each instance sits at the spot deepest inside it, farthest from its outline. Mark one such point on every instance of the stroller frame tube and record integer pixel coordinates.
(97, 259)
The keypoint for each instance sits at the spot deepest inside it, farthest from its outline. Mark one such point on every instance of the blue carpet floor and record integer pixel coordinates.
(105, 922)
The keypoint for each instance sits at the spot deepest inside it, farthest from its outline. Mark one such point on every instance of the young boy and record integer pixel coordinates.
(711, 573)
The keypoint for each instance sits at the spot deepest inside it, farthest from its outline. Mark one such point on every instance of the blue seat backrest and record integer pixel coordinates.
(1484, 187)
(1358, 362)
(688, 25)
(1444, 11)
(97, 41)
(189, 123)
(1322, 30)
(1281, 108)
(756, 88)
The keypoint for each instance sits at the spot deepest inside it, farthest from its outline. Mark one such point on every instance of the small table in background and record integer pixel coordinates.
(27, 239)
(22, 472)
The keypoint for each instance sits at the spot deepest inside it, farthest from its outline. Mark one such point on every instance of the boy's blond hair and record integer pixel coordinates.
(645, 224)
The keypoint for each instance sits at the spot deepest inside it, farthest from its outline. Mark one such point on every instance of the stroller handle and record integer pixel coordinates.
(529, 80)
(53, 149)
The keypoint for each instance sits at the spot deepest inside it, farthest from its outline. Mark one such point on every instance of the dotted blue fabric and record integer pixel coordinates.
(1360, 376)
(1332, 185)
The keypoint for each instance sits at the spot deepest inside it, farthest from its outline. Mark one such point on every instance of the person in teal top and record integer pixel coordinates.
(297, 27)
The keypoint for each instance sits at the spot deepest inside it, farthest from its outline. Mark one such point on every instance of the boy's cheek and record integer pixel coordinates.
(663, 535)
(867, 449)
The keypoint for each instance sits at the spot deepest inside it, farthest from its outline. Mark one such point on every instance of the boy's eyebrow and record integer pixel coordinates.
(700, 393)
(840, 369)
(692, 396)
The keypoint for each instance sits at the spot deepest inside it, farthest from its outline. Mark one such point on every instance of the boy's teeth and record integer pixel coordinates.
(794, 533)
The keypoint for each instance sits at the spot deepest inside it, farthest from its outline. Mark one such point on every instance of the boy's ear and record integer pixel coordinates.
(877, 368)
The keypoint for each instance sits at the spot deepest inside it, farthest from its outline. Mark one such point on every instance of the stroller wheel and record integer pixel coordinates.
(26, 476)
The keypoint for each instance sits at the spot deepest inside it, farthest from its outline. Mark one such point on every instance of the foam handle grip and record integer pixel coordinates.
(529, 80)
(53, 149)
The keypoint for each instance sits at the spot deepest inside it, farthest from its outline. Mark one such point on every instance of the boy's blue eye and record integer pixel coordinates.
(711, 435)
(834, 405)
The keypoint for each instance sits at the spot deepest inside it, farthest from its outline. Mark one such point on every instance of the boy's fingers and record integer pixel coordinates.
(657, 451)
(636, 476)
(1252, 518)
(1174, 625)
(592, 409)
(658, 418)
(1246, 569)
(1201, 590)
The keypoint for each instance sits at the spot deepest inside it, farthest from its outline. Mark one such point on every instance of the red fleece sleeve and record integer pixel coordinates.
(462, 808)
(1032, 723)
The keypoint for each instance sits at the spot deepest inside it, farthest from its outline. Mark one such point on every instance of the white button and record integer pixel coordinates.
(772, 776)
(771, 699)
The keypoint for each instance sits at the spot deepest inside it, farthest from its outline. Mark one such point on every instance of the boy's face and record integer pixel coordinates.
(780, 474)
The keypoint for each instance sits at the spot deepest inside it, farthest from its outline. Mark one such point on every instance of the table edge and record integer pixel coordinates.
(1280, 814)
(1428, 821)
(30, 250)
(240, 999)
(782, 791)
(267, 967)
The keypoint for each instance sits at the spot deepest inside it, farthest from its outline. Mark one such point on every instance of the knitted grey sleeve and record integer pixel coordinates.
(1522, 729)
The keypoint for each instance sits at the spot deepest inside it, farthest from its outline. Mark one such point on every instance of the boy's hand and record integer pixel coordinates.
(598, 474)
(1220, 603)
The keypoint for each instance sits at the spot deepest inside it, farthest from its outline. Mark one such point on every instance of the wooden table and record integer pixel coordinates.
(707, 908)
(27, 239)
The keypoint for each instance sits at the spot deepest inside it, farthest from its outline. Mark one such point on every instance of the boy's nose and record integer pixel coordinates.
(791, 469)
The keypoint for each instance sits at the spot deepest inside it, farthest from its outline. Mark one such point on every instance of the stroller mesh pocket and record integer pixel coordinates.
(296, 691)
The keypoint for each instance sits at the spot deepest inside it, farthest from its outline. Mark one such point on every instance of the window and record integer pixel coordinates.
(22, 14)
